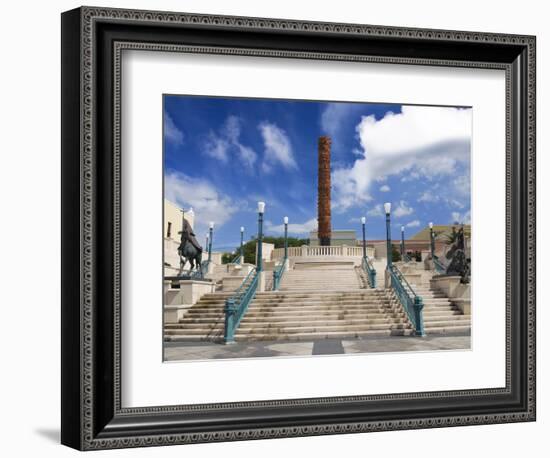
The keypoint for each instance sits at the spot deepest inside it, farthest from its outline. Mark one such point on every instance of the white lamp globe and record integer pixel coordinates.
(261, 207)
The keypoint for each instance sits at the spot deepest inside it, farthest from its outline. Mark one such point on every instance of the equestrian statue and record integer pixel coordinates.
(459, 263)
(189, 249)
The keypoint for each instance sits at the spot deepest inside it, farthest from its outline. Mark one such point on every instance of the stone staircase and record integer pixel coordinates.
(319, 303)
(296, 315)
(308, 315)
(204, 321)
(440, 315)
(322, 278)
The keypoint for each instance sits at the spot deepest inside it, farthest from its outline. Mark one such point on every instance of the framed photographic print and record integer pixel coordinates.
(278, 228)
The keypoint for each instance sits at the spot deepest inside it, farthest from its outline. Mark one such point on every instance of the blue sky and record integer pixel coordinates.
(223, 155)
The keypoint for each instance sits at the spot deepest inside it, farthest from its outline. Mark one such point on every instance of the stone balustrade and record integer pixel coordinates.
(305, 251)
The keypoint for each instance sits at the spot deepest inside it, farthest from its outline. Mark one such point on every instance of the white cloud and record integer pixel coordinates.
(385, 188)
(221, 144)
(293, 228)
(428, 196)
(247, 156)
(216, 147)
(377, 210)
(278, 149)
(171, 132)
(461, 185)
(420, 142)
(402, 209)
(461, 218)
(335, 116)
(208, 203)
(414, 223)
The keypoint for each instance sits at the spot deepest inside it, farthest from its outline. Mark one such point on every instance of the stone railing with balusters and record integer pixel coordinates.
(322, 251)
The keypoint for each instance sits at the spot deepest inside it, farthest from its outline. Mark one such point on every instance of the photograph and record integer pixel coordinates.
(310, 228)
(282, 223)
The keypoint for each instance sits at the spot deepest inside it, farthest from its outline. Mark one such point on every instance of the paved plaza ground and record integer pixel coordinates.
(178, 351)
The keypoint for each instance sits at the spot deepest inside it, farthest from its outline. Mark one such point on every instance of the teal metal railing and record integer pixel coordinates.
(439, 267)
(278, 273)
(411, 302)
(237, 305)
(406, 258)
(236, 259)
(370, 271)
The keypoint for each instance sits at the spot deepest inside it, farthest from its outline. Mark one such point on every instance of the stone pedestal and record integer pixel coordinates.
(189, 292)
(446, 283)
(167, 284)
(174, 313)
(261, 282)
(178, 301)
(387, 279)
(457, 292)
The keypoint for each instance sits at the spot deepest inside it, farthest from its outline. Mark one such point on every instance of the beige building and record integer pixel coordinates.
(173, 219)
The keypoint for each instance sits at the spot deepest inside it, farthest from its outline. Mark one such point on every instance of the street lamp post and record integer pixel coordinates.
(285, 220)
(242, 247)
(432, 240)
(363, 221)
(402, 243)
(387, 209)
(261, 208)
(210, 237)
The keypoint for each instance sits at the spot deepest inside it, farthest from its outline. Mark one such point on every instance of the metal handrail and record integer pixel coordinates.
(278, 274)
(406, 257)
(411, 302)
(237, 305)
(370, 271)
(236, 259)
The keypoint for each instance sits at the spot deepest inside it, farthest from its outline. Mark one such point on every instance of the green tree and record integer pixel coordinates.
(249, 248)
(228, 257)
(395, 254)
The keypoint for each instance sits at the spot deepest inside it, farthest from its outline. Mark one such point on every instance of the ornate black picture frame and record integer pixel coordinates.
(92, 42)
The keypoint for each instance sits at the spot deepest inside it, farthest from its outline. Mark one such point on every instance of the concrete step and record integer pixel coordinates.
(320, 328)
(303, 316)
(447, 329)
(305, 302)
(321, 320)
(315, 308)
(323, 335)
(446, 324)
(448, 318)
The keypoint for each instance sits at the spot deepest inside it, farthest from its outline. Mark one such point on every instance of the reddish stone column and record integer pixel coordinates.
(323, 192)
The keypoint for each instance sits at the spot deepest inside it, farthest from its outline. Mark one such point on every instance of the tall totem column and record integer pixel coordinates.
(323, 192)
